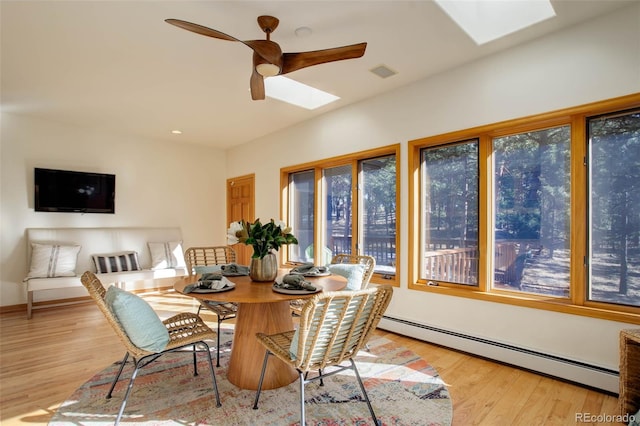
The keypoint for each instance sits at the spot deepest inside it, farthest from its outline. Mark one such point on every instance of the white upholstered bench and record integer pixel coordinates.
(158, 251)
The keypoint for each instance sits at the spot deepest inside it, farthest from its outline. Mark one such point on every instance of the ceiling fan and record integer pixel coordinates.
(268, 59)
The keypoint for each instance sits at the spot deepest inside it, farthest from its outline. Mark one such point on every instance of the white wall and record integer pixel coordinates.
(590, 62)
(157, 184)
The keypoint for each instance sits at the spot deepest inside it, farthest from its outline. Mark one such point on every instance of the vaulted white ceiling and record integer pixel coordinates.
(117, 66)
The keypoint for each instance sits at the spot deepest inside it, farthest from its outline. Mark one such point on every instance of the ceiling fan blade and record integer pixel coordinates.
(199, 29)
(295, 61)
(257, 86)
(268, 50)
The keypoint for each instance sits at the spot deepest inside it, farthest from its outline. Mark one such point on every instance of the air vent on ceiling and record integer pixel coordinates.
(383, 71)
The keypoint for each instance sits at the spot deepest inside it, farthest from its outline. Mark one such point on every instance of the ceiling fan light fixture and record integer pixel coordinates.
(267, 70)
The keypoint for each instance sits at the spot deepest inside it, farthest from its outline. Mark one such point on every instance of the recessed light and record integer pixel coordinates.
(303, 31)
(176, 132)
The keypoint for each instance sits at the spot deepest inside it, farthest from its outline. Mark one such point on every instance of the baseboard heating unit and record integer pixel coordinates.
(563, 368)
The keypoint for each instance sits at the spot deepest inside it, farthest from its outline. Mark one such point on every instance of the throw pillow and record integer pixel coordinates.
(354, 273)
(53, 260)
(167, 255)
(138, 319)
(116, 262)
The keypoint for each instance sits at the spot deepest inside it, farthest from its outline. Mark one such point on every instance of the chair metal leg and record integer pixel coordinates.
(364, 392)
(264, 369)
(213, 375)
(218, 344)
(195, 361)
(302, 383)
(218, 337)
(147, 360)
(115, 380)
(126, 394)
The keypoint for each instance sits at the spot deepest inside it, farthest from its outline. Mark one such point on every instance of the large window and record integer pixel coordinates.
(301, 201)
(377, 202)
(531, 211)
(450, 213)
(614, 231)
(345, 205)
(541, 212)
(337, 219)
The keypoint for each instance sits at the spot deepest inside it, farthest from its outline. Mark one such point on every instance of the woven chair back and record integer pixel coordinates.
(97, 293)
(207, 256)
(368, 261)
(334, 326)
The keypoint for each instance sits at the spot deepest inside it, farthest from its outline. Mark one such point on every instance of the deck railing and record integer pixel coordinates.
(460, 265)
(457, 265)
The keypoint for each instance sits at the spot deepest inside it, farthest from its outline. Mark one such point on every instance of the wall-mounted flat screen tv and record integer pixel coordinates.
(70, 191)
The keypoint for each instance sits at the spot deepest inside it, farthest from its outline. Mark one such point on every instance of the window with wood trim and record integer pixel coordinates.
(346, 204)
(542, 212)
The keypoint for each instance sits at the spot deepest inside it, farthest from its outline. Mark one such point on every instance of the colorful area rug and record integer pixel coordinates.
(404, 390)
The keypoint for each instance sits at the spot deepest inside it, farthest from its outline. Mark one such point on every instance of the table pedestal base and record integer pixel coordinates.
(268, 318)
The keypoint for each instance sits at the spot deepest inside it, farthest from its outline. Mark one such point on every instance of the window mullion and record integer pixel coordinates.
(356, 196)
(579, 209)
(319, 226)
(486, 223)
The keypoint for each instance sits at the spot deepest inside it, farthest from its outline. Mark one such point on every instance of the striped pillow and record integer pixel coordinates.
(116, 262)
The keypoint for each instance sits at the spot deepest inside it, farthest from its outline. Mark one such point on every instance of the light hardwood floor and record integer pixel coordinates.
(43, 360)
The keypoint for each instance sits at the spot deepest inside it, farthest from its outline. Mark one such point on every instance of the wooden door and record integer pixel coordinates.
(241, 205)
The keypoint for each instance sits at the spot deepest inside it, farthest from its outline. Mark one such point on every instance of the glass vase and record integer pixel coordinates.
(265, 269)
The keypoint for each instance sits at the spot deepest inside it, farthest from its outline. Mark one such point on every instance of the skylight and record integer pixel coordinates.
(488, 20)
(296, 93)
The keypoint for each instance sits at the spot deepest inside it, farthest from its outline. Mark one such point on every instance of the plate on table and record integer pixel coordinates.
(307, 271)
(234, 274)
(313, 274)
(292, 291)
(228, 287)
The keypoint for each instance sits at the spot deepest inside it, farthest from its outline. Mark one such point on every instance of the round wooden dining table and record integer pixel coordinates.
(260, 310)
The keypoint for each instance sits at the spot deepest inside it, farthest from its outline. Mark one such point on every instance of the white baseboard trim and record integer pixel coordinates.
(563, 368)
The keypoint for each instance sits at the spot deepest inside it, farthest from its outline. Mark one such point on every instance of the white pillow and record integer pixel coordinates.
(167, 255)
(116, 262)
(53, 260)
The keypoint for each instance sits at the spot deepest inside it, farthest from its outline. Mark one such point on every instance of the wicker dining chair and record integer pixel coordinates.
(369, 263)
(334, 326)
(184, 330)
(210, 256)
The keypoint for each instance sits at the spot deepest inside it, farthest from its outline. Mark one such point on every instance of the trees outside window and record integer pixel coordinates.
(301, 200)
(378, 197)
(450, 213)
(354, 211)
(531, 211)
(542, 212)
(614, 207)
